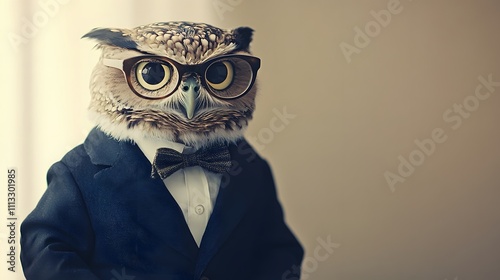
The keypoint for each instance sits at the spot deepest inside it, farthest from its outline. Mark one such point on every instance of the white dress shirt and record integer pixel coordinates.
(194, 188)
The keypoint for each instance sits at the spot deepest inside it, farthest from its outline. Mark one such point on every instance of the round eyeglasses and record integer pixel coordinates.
(155, 77)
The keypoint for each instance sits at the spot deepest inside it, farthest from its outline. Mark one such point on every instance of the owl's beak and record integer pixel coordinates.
(191, 88)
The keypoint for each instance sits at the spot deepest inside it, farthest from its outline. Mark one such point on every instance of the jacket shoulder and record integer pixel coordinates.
(244, 153)
(98, 149)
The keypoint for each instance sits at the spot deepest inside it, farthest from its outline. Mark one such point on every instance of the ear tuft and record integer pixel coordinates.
(243, 37)
(112, 37)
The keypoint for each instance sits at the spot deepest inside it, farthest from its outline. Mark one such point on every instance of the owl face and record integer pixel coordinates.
(185, 82)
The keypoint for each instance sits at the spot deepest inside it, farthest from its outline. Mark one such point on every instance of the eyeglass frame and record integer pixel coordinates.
(128, 65)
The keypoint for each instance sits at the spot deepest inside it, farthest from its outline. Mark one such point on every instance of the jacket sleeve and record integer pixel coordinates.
(57, 237)
(280, 251)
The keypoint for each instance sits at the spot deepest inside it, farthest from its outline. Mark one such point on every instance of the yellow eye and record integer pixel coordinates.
(220, 75)
(152, 75)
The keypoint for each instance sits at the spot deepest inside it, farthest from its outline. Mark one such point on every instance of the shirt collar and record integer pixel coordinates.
(149, 146)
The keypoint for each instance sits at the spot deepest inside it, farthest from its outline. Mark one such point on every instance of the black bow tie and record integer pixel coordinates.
(168, 161)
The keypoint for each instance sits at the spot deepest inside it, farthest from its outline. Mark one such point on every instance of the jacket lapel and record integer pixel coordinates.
(128, 173)
(235, 196)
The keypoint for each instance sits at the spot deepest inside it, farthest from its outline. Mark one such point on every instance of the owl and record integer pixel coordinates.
(166, 187)
(185, 82)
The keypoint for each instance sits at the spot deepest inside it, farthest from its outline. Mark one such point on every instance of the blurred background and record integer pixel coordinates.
(379, 118)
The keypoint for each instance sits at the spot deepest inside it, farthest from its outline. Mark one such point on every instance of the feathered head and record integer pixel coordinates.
(180, 81)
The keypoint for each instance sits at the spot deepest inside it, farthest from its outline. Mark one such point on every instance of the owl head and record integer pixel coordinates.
(186, 82)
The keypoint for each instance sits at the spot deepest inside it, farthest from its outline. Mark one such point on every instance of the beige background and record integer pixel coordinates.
(352, 121)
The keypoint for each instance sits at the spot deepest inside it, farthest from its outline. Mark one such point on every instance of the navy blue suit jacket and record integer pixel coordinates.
(104, 217)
